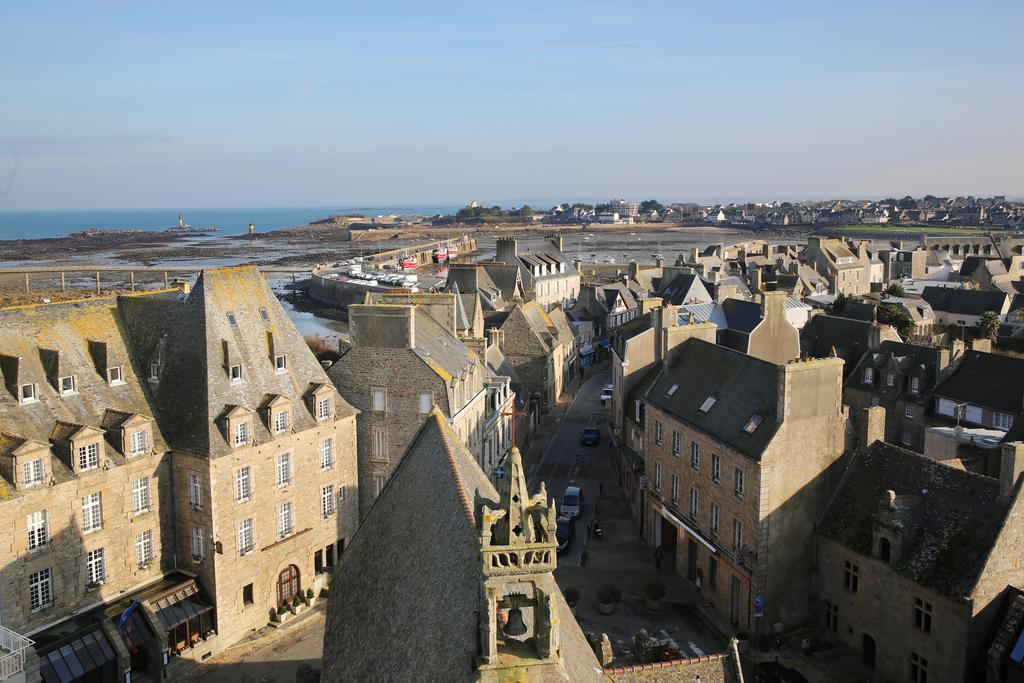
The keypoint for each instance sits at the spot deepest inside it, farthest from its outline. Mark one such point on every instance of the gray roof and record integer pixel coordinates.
(986, 379)
(743, 385)
(824, 335)
(950, 517)
(964, 301)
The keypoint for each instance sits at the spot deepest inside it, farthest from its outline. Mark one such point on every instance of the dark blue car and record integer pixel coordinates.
(590, 436)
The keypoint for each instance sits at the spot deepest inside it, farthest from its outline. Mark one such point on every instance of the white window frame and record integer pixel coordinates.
(241, 435)
(869, 375)
(915, 385)
(33, 472)
(739, 482)
(910, 410)
(694, 503)
(154, 372)
(235, 373)
(244, 485)
(283, 469)
(426, 402)
(40, 589)
(92, 512)
(325, 409)
(285, 520)
(28, 393)
(280, 363)
(328, 505)
(282, 420)
(115, 375)
(737, 534)
(246, 536)
(142, 498)
(379, 482)
(378, 400)
(657, 475)
(695, 455)
(145, 553)
(195, 491)
(379, 444)
(70, 390)
(96, 566)
(677, 442)
(675, 489)
(890, 379)
(198, 545)
(657, 432)
(1002, 420)
(37, 529)
(88, 457)
(326, 451)
(716, 517)
(716, 468)
(138, 442)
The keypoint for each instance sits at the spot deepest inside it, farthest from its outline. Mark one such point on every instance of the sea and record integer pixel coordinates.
(34, 224)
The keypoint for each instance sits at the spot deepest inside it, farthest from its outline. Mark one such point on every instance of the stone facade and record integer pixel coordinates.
(548, 276)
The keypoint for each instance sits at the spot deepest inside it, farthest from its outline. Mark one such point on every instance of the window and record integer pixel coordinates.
(285, 522)
(890, 379)
(154, 372)
(909, 410)
(695, 455)
(657, 475)
(241, 433)
(281, 363)
(869, 375)
(715, 517)
(264, 315)
(752, 424)
(281, 419)
(247, 598)
(38, 529)
(327, 500)
(918, 668)
(92, 512)
(89, 456)
(243, 484)
(922, 615)
(677, 439)
(708, 404)
(737, 534)
(874, 401)
(40, 590)
(138, 442)
(195, 492)
(379, 444)
(284, 469)
(973, 414)
(327, 454)
(945, 407)
(426, 403)
(1002, 421)
(675, 489)
(906, 438)
(694, 503)
(232, 319)
(198, 552)
(377, 397)
(32, 472)
(67, 385)
(657, 432)
(114, 375)
(672, 390)
(716, 468)
(851, 577)
(246, 536)
(739, 482)
(324, 409)
(144, 548)
(28, 393)
(831, 617)
(96, 566)
(236, 374)
(141, 499)
(379, 480)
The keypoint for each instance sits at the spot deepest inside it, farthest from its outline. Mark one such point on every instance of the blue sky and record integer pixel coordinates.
(141, 103)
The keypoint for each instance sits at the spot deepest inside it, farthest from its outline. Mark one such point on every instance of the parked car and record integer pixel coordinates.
(606, 394)
(590, 436)
(565, 532)
(572, 501)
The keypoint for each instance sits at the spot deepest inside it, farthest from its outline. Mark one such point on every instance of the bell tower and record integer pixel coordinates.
(519, 620)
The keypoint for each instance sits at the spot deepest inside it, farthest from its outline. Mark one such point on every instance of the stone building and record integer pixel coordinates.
(913, 559)
(156, 446)
(739, 455)
(456, 585)
(403, 362)
(548, 276)
(846, 266)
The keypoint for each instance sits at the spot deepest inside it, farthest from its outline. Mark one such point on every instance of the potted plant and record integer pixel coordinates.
(310, 597)
(654, 591)
(296, 604)
(608, 596)
(282, 613)
(572, 598)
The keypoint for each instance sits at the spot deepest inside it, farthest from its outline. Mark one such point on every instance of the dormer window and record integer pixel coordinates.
(708, 404)
(324, 409)
(281, 363)
(869, 375)
(114, 375)
(68, 385)
(281, 419)
(236, 374)
(752, 424)
(28, 393)
(241, 435)
(138, 442)
(915, 384)
(890, 379)
(88, 457)
(33, 472)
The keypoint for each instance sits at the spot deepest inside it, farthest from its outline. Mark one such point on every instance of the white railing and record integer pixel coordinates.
(12, 652)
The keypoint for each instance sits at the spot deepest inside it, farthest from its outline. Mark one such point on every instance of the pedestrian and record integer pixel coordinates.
(658, 553)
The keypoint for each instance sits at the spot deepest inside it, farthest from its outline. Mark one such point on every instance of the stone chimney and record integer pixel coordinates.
(872, 426)
(1011, 465)
(495, 336)
(634, 269)
(506, 250)
(756, 279)
(875, 337)
(557, 242)
(694, 255)
(660, 261)
(388, 326)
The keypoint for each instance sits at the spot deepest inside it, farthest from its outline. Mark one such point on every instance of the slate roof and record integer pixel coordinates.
(964, 301)
(744, 386)
(406, 593)
(912, 360)
(951, 518)
(986, 379)
(859, 310)
(825, 335)
(683, 288)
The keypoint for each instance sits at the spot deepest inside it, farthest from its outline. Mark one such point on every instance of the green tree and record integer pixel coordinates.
(583, 207)
(603, 208)
(897, 316)
(839, 304)
(907, 202)
(896, 289)
(988, 326)
(649, 205)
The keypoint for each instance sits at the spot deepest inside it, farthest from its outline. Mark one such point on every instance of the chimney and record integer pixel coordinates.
(557, 241)
(1011, 464)
(872, 426)
(659, 261)
(495, 336)
(634, 269)
(506, 251)
(756, 280)
(773, 306)
(694, 255)
(387, 326)
(875, 337)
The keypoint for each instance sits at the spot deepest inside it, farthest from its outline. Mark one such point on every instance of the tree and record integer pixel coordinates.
(896, 289)
(988, 326)
(602, 208)
(897, 316)
(649, 205)
(838, 305)
(907, 202)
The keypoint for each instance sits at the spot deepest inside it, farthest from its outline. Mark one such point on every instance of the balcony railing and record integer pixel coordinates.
(12, 652)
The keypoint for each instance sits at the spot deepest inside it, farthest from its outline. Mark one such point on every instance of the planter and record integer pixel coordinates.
(652, 605)
(311, 602)
(297, 609)
(281, 618)
(606, 607)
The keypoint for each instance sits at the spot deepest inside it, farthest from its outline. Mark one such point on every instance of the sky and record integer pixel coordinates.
(138, 103)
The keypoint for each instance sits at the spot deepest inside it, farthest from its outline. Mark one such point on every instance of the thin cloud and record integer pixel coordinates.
(25, 144)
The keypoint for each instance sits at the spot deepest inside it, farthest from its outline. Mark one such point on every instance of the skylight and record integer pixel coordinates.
(752, 424)
(672, 389)
(232, 320)
(708, 404)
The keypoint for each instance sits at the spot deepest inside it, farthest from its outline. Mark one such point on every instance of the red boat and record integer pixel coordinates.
(408, 263)
(440, 254)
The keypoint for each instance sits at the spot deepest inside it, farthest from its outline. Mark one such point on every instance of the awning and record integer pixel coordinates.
(136, 632)
(586, 350)
(676, 519)
(180, 606)
(79, 657)
(604, 343)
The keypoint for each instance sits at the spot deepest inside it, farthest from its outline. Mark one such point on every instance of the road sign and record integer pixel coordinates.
(758, 607)
(499, 472)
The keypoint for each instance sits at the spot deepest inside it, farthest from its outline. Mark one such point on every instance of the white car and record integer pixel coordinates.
(606, 393)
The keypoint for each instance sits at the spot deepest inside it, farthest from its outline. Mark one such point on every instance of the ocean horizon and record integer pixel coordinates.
(38, 224)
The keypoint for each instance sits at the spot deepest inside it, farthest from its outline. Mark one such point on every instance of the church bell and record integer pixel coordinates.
(515, 626)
